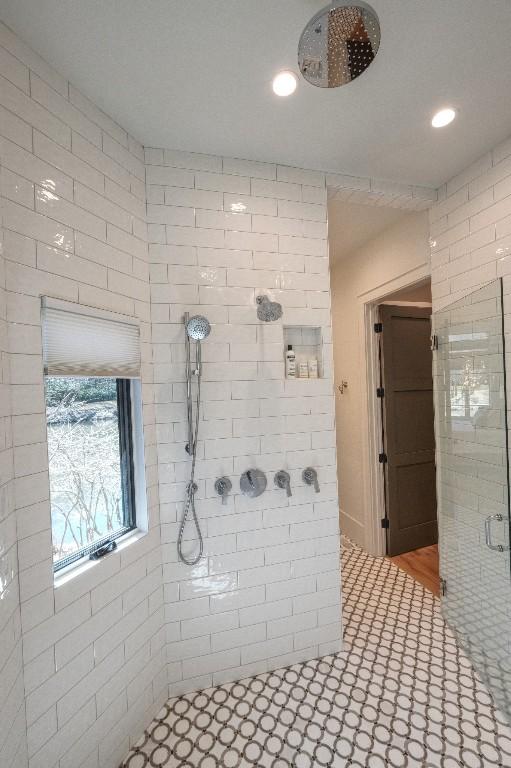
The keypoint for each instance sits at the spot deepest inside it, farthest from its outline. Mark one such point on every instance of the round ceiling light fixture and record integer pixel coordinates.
(443, 117)
(339, 43)
(284, 83)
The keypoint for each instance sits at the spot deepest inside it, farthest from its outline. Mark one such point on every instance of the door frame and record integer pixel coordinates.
(373, 485)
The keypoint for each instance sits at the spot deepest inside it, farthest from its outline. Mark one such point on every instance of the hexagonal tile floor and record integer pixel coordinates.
(402, 694)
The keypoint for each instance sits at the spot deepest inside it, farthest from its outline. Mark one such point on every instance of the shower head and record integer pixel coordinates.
(198, 327)
(339, 43)
(267, 310)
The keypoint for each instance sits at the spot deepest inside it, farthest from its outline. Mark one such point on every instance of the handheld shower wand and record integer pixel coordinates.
(197, 328)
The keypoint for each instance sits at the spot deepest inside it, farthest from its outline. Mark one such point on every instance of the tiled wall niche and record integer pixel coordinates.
(307, 344)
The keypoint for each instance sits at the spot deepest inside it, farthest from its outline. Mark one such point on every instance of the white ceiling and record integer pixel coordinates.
(352, 226)
(196, 74)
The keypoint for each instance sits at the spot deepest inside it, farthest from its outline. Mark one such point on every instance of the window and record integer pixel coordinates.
(90, 453)
(92, 366)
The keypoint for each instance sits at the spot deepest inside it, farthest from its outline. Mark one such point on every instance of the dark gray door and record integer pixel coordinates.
(408, 426)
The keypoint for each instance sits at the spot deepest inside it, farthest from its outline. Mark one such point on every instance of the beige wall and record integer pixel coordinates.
(395, 256)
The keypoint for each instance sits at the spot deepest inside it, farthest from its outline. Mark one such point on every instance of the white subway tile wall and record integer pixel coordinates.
(363, 191)
(471, 228)
(221, 231)
(74, 215)
(13, 742)
(470, 247)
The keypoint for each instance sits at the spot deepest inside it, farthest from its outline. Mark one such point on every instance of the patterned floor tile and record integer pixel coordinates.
(401, 695)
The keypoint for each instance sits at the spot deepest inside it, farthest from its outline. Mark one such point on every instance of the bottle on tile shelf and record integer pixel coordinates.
(290, 363)
(313, 368)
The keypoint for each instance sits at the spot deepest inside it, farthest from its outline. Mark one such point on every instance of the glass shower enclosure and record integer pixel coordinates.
(473, 482)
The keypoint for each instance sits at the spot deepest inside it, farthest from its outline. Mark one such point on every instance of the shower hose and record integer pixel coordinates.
(191, 488)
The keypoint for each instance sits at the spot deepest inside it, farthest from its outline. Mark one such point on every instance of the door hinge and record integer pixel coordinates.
(378, 327)
(382, 458)
(443, 587)
(380, 392)
(385, 522)
(434, 343)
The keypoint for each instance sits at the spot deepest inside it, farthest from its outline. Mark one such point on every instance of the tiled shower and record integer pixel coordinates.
(102, 649)
(91, 217)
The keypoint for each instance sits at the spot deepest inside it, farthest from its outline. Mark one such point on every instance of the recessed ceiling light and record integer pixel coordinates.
(284, 84)
(443, 117)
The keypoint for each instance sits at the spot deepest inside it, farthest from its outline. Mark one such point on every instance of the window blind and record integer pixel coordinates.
(79, 344)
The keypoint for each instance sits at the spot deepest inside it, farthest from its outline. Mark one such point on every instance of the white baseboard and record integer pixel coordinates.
(352, 529)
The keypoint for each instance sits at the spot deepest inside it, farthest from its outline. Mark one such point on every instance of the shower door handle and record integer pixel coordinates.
(487, 532)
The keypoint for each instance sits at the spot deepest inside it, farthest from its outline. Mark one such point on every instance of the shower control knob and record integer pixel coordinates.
(223, 486)
(253, 483)
(310, 477)
(282, 480)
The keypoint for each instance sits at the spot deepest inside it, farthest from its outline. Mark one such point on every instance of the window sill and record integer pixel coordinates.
(85, 565)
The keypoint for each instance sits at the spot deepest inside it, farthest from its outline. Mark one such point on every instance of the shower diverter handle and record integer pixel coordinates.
(223, 486)
(283, 480)
(252, 483)
(310, 477)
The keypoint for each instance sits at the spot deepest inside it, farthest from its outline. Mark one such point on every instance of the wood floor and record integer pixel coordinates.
(422, 564)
